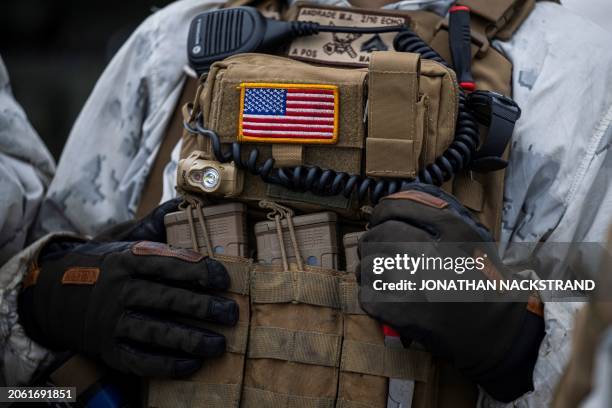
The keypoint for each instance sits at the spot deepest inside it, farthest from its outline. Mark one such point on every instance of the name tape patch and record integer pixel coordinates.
(347, 49)
(288, 113)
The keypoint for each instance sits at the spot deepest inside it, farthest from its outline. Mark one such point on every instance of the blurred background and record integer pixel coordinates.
(55, 51)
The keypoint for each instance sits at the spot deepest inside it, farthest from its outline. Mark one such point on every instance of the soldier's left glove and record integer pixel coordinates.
(137, 306)
(496, 343)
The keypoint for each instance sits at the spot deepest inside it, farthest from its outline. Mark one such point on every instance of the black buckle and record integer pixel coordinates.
(499, 113)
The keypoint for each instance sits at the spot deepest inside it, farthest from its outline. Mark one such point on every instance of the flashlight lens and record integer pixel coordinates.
(210, 179)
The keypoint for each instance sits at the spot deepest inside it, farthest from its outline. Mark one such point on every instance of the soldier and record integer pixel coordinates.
(555, 188)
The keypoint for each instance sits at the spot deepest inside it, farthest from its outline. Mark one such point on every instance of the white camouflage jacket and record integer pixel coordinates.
(557, 185)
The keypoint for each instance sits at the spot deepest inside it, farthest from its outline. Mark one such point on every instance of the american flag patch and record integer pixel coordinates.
(288, 113)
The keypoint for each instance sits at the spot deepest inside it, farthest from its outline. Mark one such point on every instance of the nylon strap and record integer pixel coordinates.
(292, 286)
(349, 292)
(393, 93)
(239, 271)
(187, 394)
(256, 398)
(286, 155)
(305, 287)
(376, 359)
(295, 346)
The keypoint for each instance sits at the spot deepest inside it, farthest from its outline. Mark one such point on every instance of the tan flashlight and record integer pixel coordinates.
(196, 173)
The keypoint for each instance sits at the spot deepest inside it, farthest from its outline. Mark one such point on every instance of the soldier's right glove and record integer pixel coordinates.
(133, 305)
(495, 343)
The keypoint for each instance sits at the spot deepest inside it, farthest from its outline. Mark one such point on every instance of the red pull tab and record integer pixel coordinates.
(460, 41)
(388, 331)
(459, 8)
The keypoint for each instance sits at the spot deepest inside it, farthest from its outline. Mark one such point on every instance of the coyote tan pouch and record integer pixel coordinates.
(388, 120)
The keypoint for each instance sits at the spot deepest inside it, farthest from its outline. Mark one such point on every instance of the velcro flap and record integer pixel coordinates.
(391, 157)
(393, 143)
(393, 94)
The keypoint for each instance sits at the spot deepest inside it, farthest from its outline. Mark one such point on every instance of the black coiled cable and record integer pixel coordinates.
(329, 182)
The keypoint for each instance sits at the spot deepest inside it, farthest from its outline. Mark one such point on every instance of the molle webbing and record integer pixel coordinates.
(192, 394)
(272, 284)
(295, 345)
(295, 324)
(375, 359)
(293, 286)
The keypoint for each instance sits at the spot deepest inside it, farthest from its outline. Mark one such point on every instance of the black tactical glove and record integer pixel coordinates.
(495, 344)
(135, 305)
